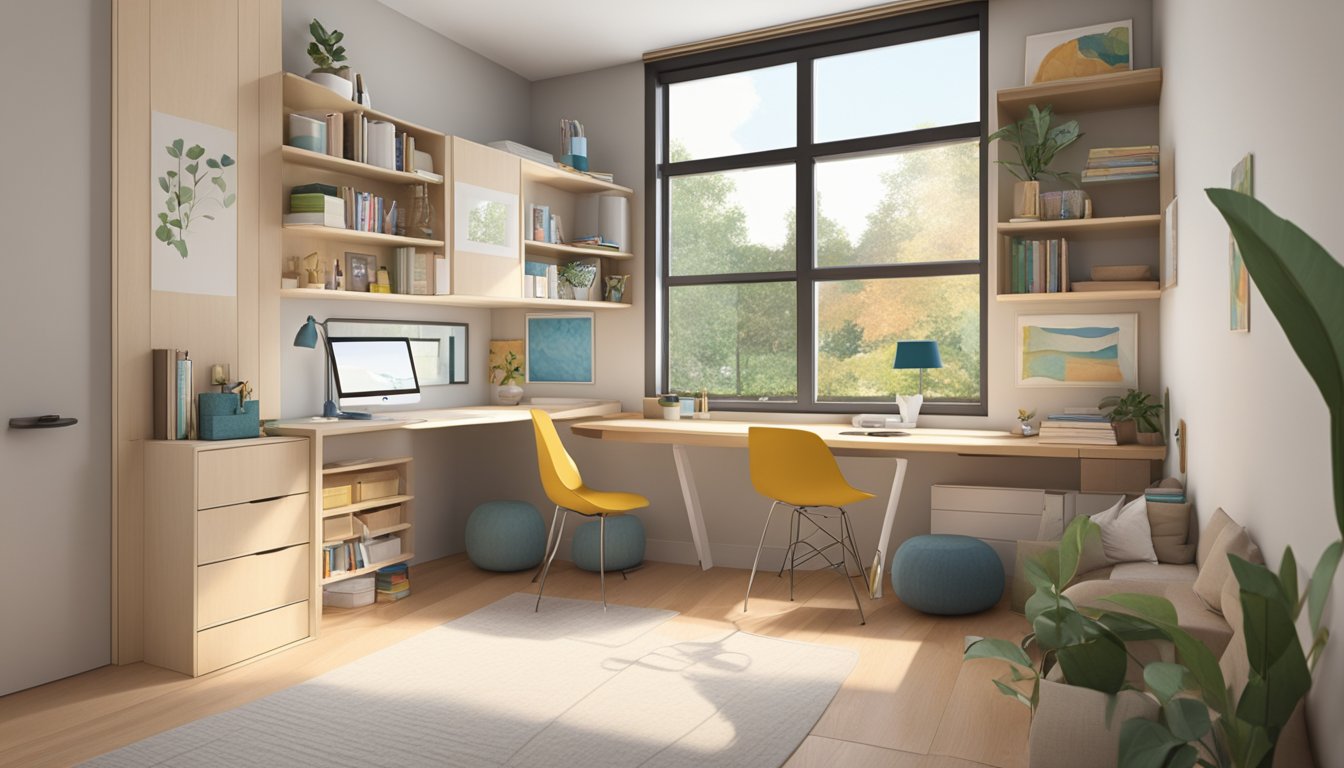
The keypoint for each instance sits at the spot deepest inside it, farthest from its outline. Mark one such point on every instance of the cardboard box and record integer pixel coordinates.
(383, 548)
(381, 518)
(377, 485)
(350, 593)
(337, 496)
(339, 527)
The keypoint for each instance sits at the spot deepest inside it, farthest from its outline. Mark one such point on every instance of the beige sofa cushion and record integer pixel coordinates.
(1209, 534)
(1170, 525)
(1155, 572)
(1193, 616)
(1232, 540)
(1079, 727)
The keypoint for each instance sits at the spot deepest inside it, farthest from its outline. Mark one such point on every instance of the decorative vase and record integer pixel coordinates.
(672, 412)
(910, 405)
(564, 289)
(1126, 432)
(419, 220)
(333, 82)
(582, 292)
(1027, 201)
(508, 394)
(615, 285)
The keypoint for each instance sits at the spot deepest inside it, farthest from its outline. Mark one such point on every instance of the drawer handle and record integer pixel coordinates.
(271, 551)
(268, 499)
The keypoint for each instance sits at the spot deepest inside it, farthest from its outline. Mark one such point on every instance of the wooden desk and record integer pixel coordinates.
(1103, 468)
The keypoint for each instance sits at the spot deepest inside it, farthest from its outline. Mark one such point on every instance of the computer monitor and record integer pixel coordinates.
(373, 370)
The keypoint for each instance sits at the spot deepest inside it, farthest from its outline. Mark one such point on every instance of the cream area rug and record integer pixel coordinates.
(504, 686)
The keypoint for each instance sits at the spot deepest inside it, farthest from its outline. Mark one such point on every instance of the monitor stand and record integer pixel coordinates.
(330, 411)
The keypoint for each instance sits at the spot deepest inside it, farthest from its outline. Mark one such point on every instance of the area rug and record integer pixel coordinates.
(505, 686)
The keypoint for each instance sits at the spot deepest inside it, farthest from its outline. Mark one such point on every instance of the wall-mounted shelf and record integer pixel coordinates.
(486, 302)
(356, 236)
(1145, 224)
(1074, 296)
(555, 249)
(569, 181)
(1118, 90)
(335, 164)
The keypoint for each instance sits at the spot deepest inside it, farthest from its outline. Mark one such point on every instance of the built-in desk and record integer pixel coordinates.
(1118, 468)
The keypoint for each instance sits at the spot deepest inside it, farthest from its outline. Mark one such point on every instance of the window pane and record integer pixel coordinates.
(735, 221)
(860, 321)
(736, 341)
(731, 114)
(899, 207)
(898, 88)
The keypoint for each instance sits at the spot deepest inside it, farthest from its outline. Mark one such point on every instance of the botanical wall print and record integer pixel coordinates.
(1239, 287)
(1169, 245)
(193, 196)
(485, 220)
(1095, 50)
(1078, 350)
(502, 348)
(560, 348)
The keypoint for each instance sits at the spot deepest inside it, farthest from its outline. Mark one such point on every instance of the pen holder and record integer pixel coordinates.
(577, 156)
(222, 419)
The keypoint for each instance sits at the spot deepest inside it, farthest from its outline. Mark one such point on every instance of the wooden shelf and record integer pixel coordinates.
(1074, 296)
(350, 167)
(302, 95)
(364, 466)
(372, 533)
(320, 232)
(343, 575)
(1118, 90)
(360, 506)
(555, 249)
(452, 300)
(1138, 224)
(569, 181)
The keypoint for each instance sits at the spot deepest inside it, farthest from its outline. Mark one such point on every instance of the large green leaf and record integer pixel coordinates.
(1098, 663)
(1166, 680)
(1267, 622)
(1194, 654)
(1003, 650)
(1151, 607)
(1188, 719)
(1146, 744)
(1260, 581)
(1060, 627)
(1269, 700)
(1302, 285)
(1321, 579)
(1288, 581)
(1071, 547)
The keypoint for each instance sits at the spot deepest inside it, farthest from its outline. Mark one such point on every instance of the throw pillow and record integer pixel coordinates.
(1217, 569)
(1170, 524)
(1125, 534)
(1209, 535)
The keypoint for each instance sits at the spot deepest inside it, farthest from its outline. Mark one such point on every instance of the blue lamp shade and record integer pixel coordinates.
(917, 354)
(307, 335)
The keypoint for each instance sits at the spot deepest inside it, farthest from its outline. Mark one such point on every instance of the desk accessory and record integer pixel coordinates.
(880, 421)
(671, 405)
(223, 418)
(307, 337)
(915, 354)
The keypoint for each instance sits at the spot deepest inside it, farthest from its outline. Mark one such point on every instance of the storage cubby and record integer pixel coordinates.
(379, 508)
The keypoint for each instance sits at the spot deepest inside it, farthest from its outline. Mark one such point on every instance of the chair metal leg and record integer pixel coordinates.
(547, 550)
(757, 559)
(844, 569)
(854, 549)
(793, 546)
(793, 538)
(602, 556)
(547, 567)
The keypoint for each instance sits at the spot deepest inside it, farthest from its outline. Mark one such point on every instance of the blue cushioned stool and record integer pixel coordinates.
(947, 575)
(505, 536)
(625, 544)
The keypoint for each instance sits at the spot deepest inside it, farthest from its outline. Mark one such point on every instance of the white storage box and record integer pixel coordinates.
(383, 548)
(350, 593)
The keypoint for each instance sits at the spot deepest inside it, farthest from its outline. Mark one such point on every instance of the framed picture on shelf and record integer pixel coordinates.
(1098, 49)
(359, 267)
(560, 348)
(1239, 288)
(1078, 350)
(485, 221)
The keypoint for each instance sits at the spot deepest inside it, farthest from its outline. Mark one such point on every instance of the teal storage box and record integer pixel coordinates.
(222, 419)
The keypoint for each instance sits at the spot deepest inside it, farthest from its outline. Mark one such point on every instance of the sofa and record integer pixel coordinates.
(1078, 727)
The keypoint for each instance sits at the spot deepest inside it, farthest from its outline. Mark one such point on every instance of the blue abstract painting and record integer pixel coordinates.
(560, 348)
(1077, 350)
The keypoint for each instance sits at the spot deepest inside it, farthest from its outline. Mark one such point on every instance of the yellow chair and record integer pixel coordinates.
(564, 487)
(795, 468)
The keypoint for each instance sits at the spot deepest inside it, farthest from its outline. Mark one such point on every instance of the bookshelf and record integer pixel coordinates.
(379, 496)
(448, 300)
(1132, 222)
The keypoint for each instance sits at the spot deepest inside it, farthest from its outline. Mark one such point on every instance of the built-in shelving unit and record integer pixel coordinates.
(555, 249)
(1139, 224)
(449, 300)
(381, 500)
(355, 237)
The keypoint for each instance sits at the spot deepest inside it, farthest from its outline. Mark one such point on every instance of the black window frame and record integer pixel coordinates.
(802, 50)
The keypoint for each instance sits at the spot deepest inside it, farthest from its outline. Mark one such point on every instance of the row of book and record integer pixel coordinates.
(1038, 266)
(545, 228)
(344, 557)
(418, 273)
(343, 208)
(1077, 429)
(392, 583)
(353, 136)
(1121, 163)
(174, 416)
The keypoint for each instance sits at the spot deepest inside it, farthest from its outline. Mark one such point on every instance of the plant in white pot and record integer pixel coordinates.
(579, 276)
(1037, 144)
(327, 54)
(510, 373)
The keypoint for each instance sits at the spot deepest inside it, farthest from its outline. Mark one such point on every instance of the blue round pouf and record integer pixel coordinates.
(947, 575)
(505, 536)
(625, 544)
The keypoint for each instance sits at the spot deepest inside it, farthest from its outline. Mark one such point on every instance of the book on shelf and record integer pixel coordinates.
(173, 401)
(1121, 163)
(334, 220)
(1116, 285)
(1038, 266)
(316, 188)
(1133, 170)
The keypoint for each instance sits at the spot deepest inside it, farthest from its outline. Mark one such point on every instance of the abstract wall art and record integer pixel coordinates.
(1096, 50)
(1078, 350)
(1239, 286)
(560, 348)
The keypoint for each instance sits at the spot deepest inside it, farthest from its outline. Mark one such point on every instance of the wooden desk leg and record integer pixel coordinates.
(692, 498)
(876, 575)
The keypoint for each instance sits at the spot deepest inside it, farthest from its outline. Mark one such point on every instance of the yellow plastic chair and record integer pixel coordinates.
(795, 468)
(564, 487)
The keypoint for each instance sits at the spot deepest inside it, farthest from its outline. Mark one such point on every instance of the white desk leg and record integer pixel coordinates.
(880, 559)
(692, 499)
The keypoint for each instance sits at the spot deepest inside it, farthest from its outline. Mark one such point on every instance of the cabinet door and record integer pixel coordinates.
(486, 222)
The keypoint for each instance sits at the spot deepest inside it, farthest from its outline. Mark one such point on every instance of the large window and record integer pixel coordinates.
(814, 200)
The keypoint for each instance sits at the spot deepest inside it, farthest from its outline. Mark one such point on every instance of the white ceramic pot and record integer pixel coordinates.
(334, 83)
(672, 412)
(508, 394)
(582, 294)
(910, 405)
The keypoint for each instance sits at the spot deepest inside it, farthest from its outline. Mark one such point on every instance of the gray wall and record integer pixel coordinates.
(1258, 440)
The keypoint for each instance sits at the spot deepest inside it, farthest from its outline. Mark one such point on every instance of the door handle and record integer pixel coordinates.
(42, 422)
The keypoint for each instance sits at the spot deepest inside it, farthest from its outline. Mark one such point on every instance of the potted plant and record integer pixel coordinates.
(510, 373)
(1024, 426)
(1135, 419)
(327, 54)
(579, 276)
(1036, 144)
(671, 405)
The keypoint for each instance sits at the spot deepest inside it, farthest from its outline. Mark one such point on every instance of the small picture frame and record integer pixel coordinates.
(360, 268)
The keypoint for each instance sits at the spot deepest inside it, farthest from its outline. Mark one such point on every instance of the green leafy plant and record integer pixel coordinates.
(508, 368)
(579, 274)
(186, 201)
(1134, 406)
(325, 50)
(1024, 415)
(1037, 144)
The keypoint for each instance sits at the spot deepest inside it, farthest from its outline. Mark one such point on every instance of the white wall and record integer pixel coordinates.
(1246, 77)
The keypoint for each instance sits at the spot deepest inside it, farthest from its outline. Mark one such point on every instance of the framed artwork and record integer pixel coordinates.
(440, 350)
(1169, 245)
(193, 194)
(560, 348)
(358, 268)
(485, 221)
(500, 349)
(1078, 350)
(1239, 287)
(1096, 50)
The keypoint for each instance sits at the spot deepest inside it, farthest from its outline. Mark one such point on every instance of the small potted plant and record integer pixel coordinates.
(1024, 425)
(510, 373)
(671, 405)
(1135, 419)
(579, 276)
(1036, 144)
(327, 54)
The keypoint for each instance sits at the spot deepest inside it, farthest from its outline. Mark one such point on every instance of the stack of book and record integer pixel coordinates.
(319, 204)
(393, 583)
(1077, 429)
(1165, 495)
(412, 272)
(174, 416)
(1121, 163)
(1038, 266)
(344, 557)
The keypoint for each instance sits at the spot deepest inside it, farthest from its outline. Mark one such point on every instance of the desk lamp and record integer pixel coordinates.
(915, 354)
(307, 337)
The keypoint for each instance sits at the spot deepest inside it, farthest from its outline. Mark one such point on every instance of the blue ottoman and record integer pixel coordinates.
(625, 544)
(947, 575)
(505, 536)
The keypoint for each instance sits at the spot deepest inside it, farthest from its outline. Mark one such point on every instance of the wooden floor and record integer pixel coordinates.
(910, 702)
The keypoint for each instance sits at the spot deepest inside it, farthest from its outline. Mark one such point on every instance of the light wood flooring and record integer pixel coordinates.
(910, 702)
